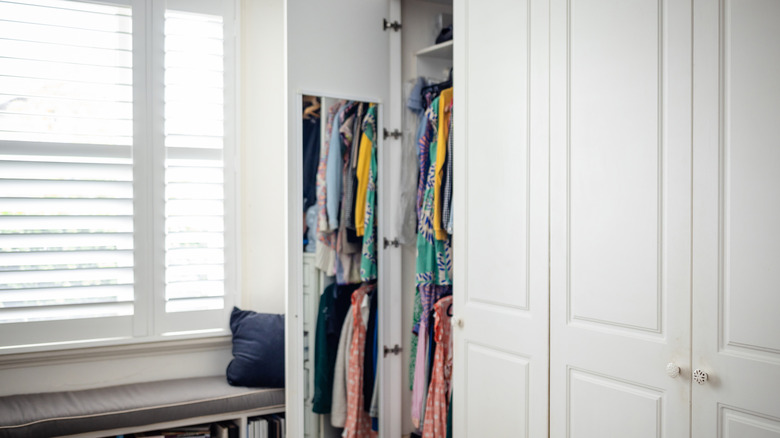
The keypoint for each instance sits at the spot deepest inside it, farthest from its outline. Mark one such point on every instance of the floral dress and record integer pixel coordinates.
(368, 263)
(441, 378)
(358, 423)
(434, 259)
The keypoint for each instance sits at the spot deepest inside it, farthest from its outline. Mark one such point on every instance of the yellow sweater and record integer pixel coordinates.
(363, 167)
(445, 98)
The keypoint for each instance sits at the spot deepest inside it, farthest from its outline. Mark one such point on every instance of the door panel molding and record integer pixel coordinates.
(594, 78)
(623, 391)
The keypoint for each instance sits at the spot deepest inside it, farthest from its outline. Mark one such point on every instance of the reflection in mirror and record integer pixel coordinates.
(339, 200)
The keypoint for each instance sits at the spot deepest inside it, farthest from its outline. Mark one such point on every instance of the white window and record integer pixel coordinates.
(117, 171)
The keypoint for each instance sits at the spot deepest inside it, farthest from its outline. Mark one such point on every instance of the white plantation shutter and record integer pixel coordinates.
(113, 227)
(66, 180)
(194, 176)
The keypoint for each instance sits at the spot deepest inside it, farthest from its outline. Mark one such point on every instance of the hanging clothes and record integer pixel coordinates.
(334, 305)
(325, 254)
(369, 359)
(358, 423)
(345, 362)
(438, 398)
(338, 412)
(429, 295)
(334, 170)
(368, 262)
(374, 409)
(445, 100)
(363, 170)
(350, 175)
(349, 250)
(311, 158)
(434, 257)
(446, 209)
(406, 218)
(424, 137)
(416, 316)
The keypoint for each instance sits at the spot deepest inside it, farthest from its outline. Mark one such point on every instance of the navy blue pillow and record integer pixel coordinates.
(258, 349)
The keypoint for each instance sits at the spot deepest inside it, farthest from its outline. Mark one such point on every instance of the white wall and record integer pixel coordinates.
(263, 140)
(95, 367)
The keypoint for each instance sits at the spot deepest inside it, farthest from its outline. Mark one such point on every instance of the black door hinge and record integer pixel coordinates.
(396, 134)
(396, 26)
(395, 243)
(395, 350)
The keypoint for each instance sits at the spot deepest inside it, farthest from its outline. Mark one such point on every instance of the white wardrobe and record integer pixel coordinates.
(658, 123)
(617, 201)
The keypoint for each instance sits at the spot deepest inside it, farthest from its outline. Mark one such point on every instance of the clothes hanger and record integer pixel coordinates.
(437, 88)
(312, 110)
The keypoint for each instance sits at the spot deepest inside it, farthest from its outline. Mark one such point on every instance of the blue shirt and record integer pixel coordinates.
(333, 173)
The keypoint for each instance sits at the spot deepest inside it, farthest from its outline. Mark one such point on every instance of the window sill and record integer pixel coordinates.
(115, 351)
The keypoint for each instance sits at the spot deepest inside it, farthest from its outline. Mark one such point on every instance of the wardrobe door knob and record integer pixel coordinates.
(700, 377)
(672, 370)
(457, 322)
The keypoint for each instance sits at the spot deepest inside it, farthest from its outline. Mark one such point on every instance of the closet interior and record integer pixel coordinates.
(339, 264)
(375, 242)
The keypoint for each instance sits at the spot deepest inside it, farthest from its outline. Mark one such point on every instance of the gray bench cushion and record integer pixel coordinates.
(126, 406)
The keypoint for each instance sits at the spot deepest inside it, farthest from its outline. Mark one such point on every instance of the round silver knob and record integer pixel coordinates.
(457, 322)
(699, 377)
(672, 370)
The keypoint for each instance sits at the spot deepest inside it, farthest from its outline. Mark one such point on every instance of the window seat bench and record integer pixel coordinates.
(123, 409)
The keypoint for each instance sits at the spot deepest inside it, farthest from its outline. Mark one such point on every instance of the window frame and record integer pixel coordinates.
(150, 323)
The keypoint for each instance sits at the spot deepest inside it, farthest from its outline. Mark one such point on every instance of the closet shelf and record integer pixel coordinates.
(442, 51)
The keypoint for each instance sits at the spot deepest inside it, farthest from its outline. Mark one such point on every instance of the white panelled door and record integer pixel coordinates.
(736, 214)
(501, 223)
(620, 218)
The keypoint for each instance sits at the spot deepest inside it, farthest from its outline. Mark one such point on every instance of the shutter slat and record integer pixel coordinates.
(57, 14)
(184, 191)
(56, 52)
(71, 126)
(36, 225)
(66, 296)
(179, 240)
(23, 88)
(208, 46)
(57, 71)
(34, 32)
(65, 278)
(65, 207)
(194, 304)
(183, 93)
(85, 310)
(71, 107)
(41, 260)
(212, 224)
(19, 188)
(59, 171)
(65, 242)
(195, 256)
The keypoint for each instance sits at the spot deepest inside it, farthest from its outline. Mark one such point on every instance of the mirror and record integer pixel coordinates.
(337, 140)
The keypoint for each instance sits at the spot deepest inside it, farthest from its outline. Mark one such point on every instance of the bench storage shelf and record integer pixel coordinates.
(140, 407)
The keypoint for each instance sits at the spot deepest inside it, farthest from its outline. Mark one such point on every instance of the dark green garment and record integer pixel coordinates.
(334, 305)
(449, 419)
